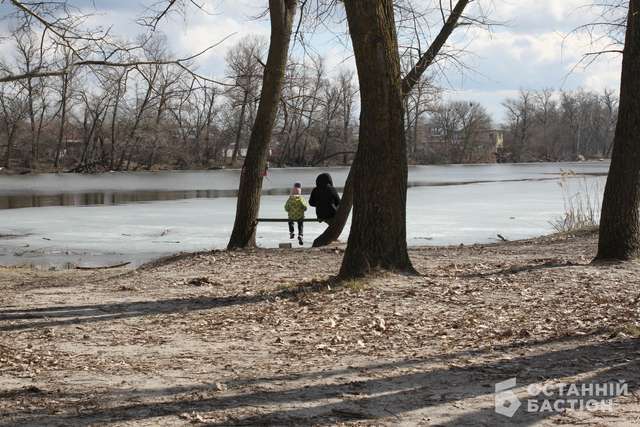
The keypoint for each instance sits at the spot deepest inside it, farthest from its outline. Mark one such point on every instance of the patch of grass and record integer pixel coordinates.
(331, 284)
(631, 330)
(581, 207)
(286, 286)
(357, 285)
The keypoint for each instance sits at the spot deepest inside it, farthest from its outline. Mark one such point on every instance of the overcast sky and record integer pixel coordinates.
(530, 50)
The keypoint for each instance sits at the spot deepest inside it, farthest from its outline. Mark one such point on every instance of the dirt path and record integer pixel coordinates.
(262, 337)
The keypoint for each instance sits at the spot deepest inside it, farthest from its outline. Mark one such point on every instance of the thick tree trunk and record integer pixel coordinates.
(378, 229)
(620, 219)
(409, 81)
(244, 228)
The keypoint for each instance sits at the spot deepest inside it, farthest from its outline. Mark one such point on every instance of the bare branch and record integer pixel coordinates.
(429, 56)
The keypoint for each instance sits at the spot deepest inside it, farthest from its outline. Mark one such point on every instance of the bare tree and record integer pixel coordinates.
(13, 109)
(378, 230)
(418, 102)
(164, 92)
(620, 219)
(120, 79)
(302, 102)
(65, 94)
(348, 90)
(610, 102)
(95, 110)
(519, 123)
(462, 129)
(475, 122)
(244, 67)
(206, 99)
(30, 57)
(546, 119)
(281, 13)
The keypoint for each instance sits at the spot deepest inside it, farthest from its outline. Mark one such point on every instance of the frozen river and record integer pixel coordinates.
(58, 219)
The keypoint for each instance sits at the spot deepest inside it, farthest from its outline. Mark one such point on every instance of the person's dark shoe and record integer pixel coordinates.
(291, 235)
(300, 240)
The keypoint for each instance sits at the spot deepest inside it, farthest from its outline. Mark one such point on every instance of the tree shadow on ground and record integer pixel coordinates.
(82, 314)
(65, 315)
(388, 394)
(524, 269)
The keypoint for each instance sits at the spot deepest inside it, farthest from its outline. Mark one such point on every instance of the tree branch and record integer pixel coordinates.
(429, 56)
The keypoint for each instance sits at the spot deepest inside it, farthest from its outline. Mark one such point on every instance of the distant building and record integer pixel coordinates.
(442, 146)
(242, 153)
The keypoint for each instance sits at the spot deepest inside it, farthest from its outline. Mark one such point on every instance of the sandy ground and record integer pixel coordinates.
(264, 338)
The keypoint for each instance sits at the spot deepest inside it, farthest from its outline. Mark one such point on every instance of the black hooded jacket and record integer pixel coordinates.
(324, 197)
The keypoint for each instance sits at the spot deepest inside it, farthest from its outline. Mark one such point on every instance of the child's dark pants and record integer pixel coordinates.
(300, 227)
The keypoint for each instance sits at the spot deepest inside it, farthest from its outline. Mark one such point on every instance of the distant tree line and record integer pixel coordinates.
(559, 126)
(544, 125)
(155, 115)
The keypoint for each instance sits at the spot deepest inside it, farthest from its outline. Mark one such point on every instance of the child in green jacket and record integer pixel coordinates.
(295, 207)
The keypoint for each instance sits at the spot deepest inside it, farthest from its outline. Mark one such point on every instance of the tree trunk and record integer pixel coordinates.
(414, 148)
(236, 146)
(154, 144)
(7, 155)
(63, 121)
(43, 110)
(409, 81)
(32, 117)
(620, 219)
(114, 124)
(244, 228)
(378, 230)
(207, 138)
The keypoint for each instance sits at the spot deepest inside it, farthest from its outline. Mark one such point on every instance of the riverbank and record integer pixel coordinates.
(93, 170)
(265, 337)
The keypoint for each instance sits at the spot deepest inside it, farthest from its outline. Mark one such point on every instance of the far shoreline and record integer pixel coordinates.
(50, 171)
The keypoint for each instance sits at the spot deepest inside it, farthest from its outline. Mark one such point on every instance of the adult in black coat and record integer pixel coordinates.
(325, 198)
